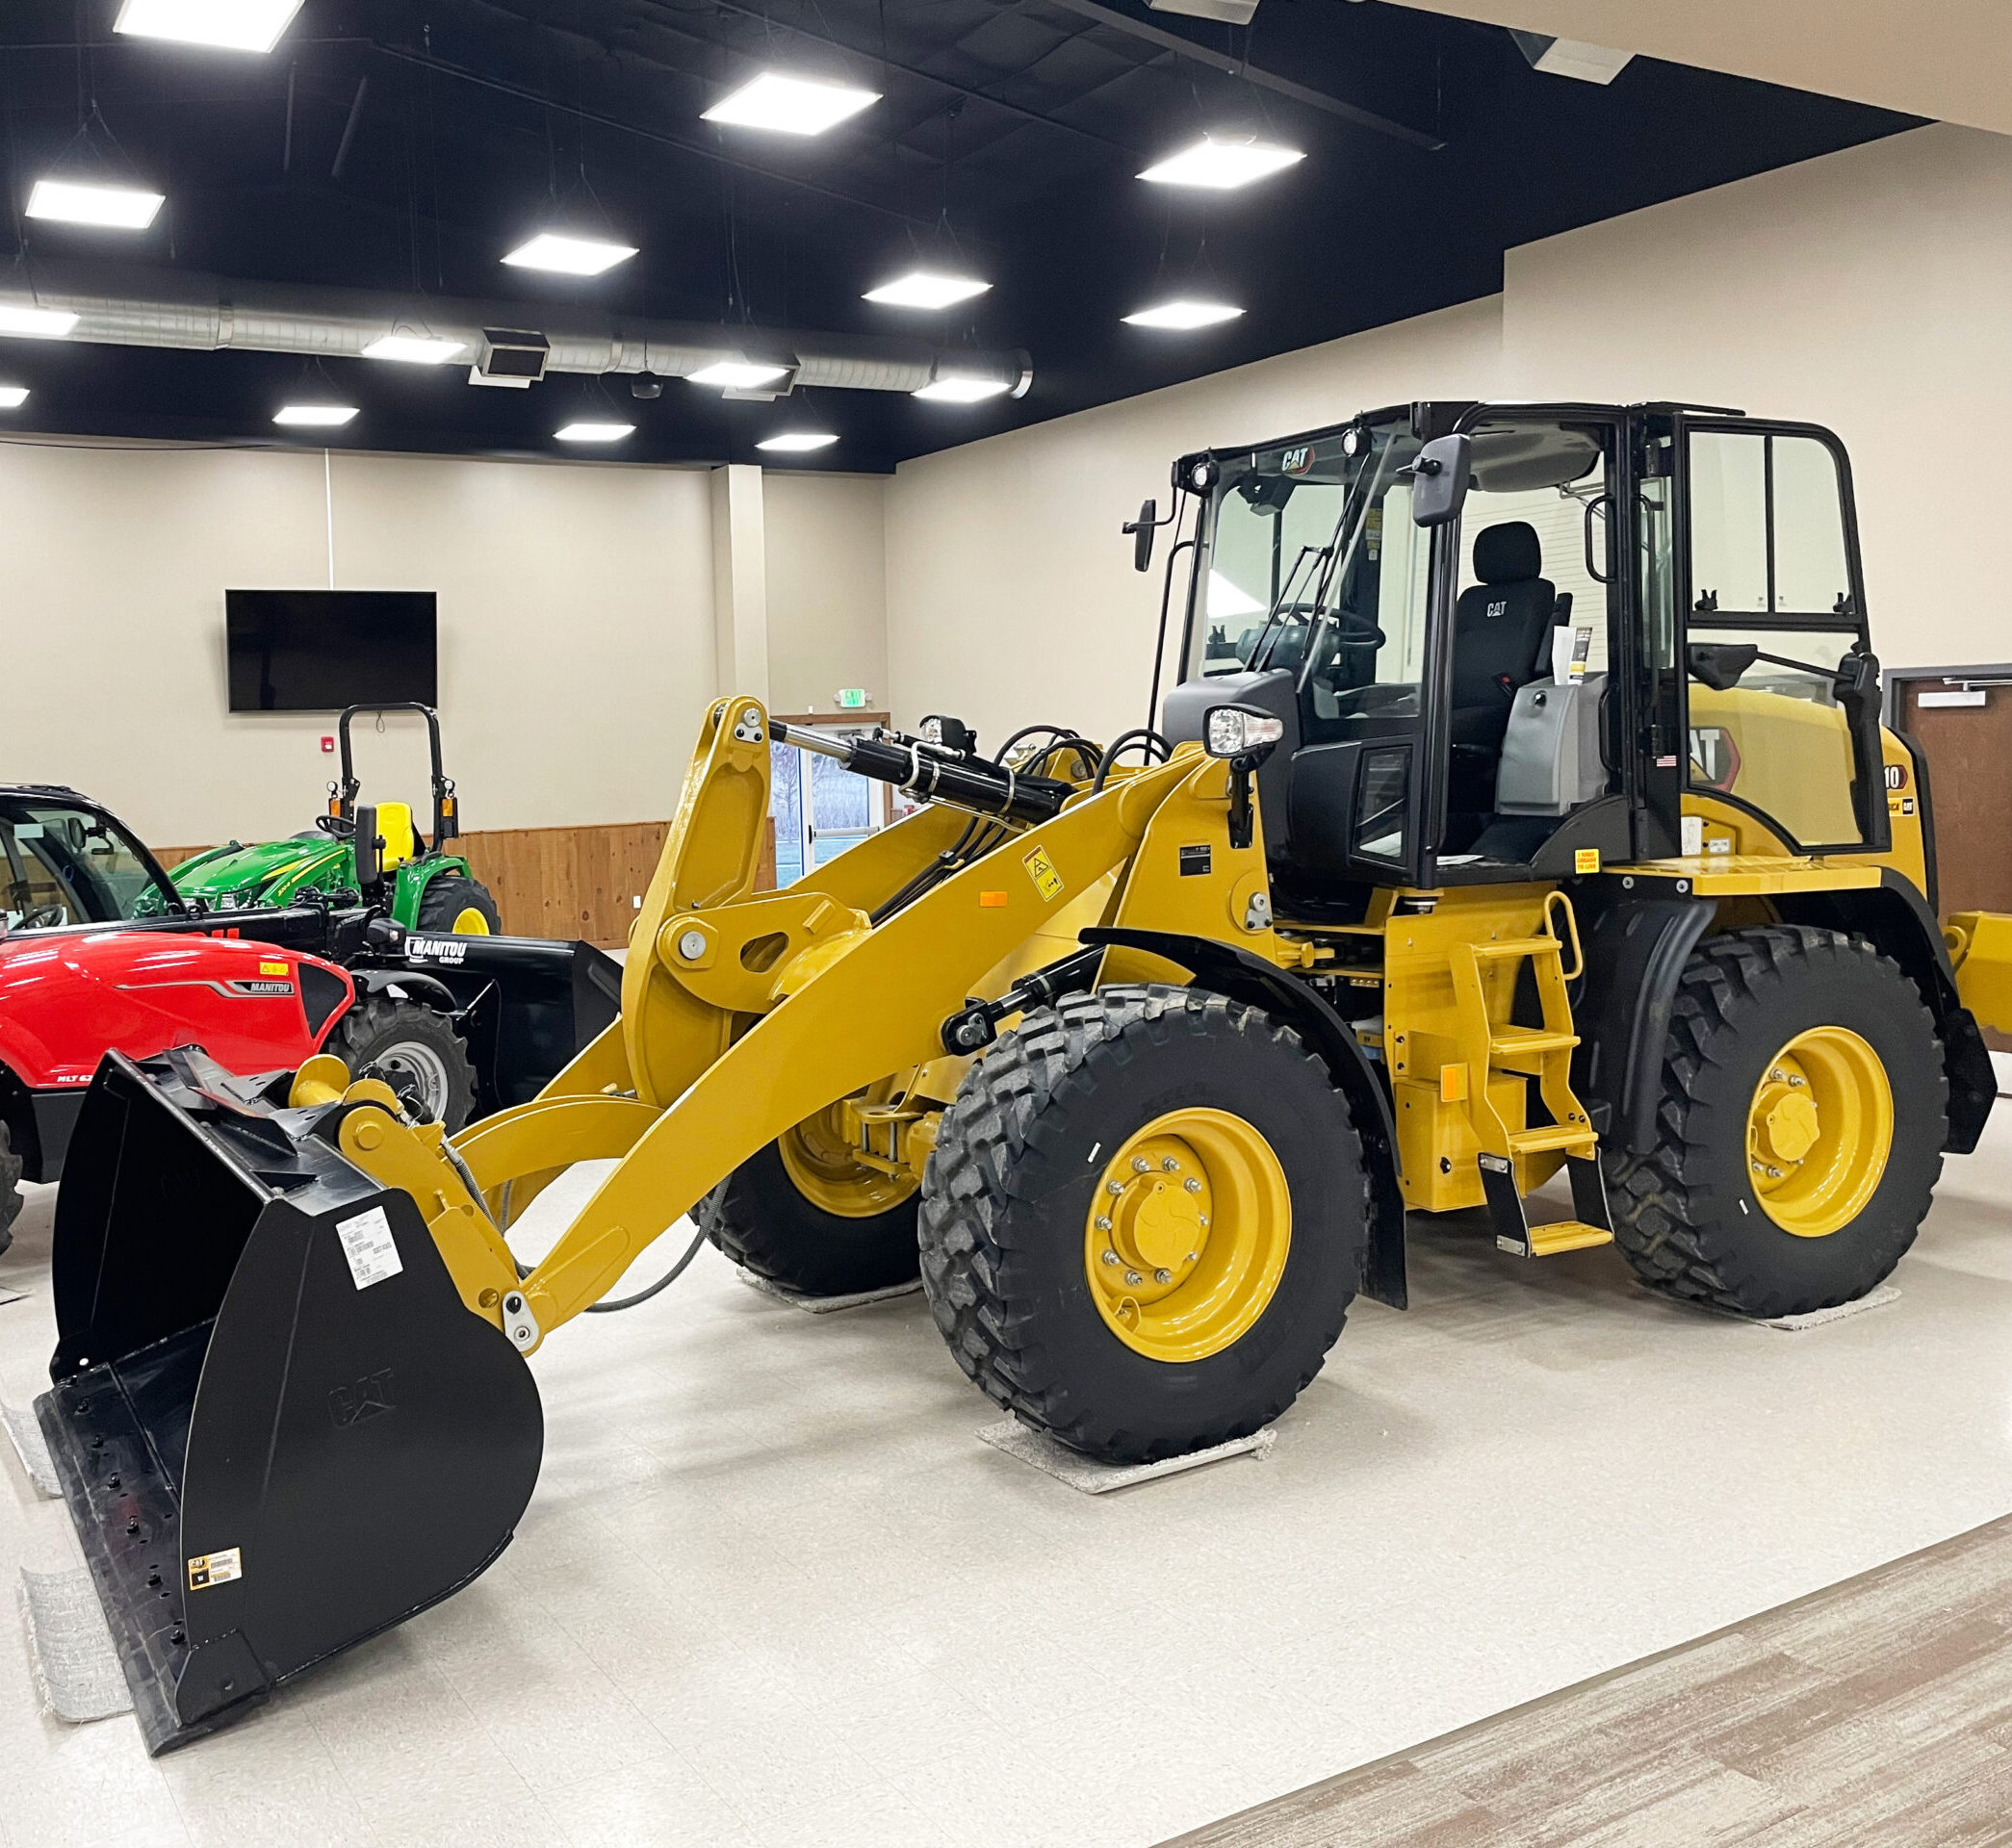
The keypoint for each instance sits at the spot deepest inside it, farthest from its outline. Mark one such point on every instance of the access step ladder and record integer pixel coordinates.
(1497, 1047)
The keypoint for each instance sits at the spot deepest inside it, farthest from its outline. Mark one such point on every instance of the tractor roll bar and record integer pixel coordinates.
(942, 776)
(447, 824)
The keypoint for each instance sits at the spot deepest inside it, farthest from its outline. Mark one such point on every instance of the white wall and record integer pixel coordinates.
(827, 588)
(1869, 289)
(1011, 596)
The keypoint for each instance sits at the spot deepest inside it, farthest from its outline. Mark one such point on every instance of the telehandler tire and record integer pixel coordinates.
(801, 1216)
(1799, 1130)
(11, 1167)
(1144, 1221)
(415, 1050)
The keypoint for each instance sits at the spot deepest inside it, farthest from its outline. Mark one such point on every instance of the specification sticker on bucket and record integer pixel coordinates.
(367, 1242)
(1040, 869)
(208, 1569)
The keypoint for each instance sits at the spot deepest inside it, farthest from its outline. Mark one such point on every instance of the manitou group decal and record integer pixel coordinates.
(436, 949)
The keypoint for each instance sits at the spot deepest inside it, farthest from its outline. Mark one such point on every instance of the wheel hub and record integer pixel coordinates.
(1818, 1131)
(1188, 1233)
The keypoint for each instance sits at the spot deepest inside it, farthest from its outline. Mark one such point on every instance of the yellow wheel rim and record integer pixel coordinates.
(821, 1163)
(1187, 1236)
(1820, 1131)
(471, 923)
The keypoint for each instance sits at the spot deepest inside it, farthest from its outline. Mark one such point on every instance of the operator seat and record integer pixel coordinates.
(1501, 633)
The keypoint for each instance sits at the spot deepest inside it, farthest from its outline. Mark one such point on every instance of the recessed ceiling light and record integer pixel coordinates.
(411, 349)
(962, 388)
(789, 105)
(594, 432)
(926, 289)
(14, 397)
(1221, 162)
(737, 375)
(122, 208)
(317, 416)
(568, 256)
(796, 441)
(1184, 313)
(43, 324)
(237, 25)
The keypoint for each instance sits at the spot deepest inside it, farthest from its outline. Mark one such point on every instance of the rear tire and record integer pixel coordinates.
(11, 1167)
(445, 901)
(1024, 1158)
(1692, 1215)
(762, 1220)
(414, 1050)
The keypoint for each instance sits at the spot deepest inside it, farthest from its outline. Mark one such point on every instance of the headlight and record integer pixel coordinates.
(933, 730)
(1237, 731)
(1201, 476)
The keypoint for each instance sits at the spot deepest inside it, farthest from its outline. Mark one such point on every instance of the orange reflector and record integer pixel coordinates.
(1452, 1084)
(990, 901)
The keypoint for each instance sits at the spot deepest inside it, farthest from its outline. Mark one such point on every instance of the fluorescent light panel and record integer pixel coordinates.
(926, 289)
(119, 208)
(962, 388)
(411, 349)
(797, 442)
(235, 25)
(14, 397)
(1184, 314)
(568, 256)
(594, 432)
(737, 375)
(315, 416)
(36, 323)
(789, 105)
(1220, 163)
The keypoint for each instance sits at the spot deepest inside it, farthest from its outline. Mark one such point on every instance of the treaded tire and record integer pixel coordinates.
(759, 1219)
(389, 1039)
(10, 1169)
(1007, 1192)
(447, 897)
(1685, 1214)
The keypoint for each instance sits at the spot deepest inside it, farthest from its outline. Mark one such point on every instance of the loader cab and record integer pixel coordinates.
(1539, 686)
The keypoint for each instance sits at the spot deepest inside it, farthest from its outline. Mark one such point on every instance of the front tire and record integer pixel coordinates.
(1078, 1277)
(416, 1051)
(1799, 1130)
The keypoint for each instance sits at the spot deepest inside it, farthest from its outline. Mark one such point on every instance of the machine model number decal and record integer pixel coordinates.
(437, 949)
(368, 1246)
(1896, 776)
(209, 1569)
(1194, 860)
(1040, 869)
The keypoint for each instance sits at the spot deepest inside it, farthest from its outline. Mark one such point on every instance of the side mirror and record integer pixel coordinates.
(1439, 481)
(1140, 530)
(368, 849)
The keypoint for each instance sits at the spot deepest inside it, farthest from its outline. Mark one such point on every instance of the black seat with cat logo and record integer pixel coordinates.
(1501, 631)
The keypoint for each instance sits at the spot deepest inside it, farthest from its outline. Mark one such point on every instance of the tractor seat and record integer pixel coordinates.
(394, 829)
(1501, 631)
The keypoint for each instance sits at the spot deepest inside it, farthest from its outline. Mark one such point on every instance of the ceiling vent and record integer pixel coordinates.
(513, 356)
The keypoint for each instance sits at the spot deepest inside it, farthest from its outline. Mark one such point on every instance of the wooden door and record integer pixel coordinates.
(1968, 748)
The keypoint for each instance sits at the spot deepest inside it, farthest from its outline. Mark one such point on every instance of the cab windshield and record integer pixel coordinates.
(1314, 566)
(68, 863)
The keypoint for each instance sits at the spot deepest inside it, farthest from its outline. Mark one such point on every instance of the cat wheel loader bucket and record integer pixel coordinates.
(277, 1429)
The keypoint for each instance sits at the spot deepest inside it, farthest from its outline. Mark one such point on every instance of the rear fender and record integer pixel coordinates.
(408, 985)
(1226, 968)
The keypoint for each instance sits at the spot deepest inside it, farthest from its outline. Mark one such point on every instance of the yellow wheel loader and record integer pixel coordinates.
(1521, 811)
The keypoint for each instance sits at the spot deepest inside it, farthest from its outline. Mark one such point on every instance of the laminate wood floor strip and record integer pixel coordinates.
(1874, 1714)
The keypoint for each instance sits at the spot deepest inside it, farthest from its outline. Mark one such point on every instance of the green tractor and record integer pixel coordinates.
(424, 886)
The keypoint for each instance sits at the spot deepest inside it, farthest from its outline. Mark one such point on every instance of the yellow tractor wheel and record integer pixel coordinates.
(1145, 1221)
(1800, 1131)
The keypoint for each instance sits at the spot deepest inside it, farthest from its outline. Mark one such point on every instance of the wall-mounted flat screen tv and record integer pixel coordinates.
(317, 651)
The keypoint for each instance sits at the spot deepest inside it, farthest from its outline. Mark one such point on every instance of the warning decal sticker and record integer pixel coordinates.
(367, 1242)
(209, 1569)
(1040, 869)
(1586, 860)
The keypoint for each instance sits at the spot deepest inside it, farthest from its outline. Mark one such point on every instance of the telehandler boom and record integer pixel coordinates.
(1440, 877)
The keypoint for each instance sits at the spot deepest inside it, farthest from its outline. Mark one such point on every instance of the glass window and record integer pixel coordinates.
(1766, 525)
(60, 864)
(819, 808)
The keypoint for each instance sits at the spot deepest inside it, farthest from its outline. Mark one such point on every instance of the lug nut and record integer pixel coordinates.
(1191, 1257)
(1141, 1165)
(1110, 1256)
(1103, 1222)
(1168, 1164)
(1794, 1082)
(1132, 1277)
(1163, 1277)
(1773, 1173)
(1192, 1185)
(1777, 1076)
(1203, 1221)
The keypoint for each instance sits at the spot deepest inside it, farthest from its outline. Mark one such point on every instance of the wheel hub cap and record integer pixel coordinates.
(1818, 1131)
(1188, 1233)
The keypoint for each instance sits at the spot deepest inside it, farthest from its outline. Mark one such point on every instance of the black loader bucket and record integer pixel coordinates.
(278, 1429)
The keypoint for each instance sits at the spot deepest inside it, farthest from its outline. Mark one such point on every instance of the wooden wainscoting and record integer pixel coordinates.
(564, 882)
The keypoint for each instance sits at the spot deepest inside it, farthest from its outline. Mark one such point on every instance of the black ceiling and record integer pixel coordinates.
(476, 111)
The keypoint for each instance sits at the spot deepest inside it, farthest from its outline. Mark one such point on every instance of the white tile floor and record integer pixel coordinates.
(772, 1590)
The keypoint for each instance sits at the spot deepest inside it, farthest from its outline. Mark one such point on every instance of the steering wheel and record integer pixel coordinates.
(1350, 631)
(44, 917)
(337, 825)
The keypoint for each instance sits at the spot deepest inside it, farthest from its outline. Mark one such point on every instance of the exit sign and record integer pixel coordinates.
(852, 696)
